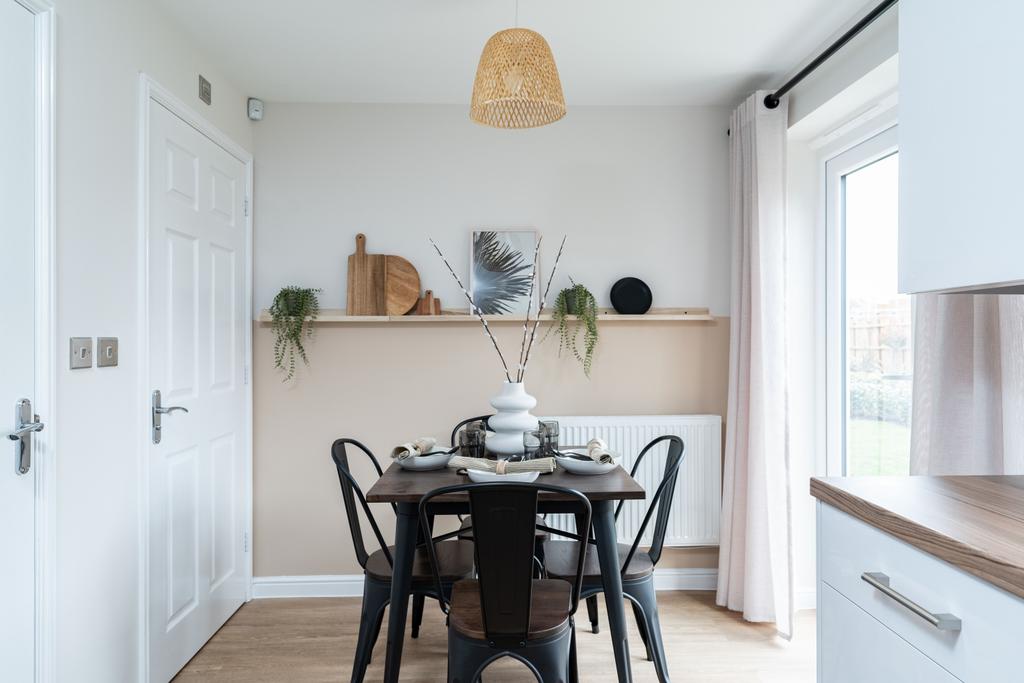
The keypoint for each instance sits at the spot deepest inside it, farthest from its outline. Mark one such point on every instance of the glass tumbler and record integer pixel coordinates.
(472, 443)
(549, 431)
(533, 441)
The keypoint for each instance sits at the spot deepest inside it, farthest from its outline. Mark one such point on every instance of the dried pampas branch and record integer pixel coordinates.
(536, 323)
(529, 304)
(473, 308)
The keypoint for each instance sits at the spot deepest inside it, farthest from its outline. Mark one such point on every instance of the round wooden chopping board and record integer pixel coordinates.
(401, 285)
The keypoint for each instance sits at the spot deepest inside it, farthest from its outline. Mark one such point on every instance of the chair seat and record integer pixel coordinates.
(560, 561)
(549, 608)
(466, 529)
(455, 560)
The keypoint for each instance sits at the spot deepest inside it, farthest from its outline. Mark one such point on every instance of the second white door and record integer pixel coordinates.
(198, 570)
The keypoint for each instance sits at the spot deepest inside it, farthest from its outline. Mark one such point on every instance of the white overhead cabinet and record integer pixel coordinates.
(961, 144)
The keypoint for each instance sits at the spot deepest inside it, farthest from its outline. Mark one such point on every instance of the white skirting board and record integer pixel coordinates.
(351, 585)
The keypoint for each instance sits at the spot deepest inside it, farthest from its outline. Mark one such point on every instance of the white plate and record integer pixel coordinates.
(424, 463)
(481, 477)
(587, 466)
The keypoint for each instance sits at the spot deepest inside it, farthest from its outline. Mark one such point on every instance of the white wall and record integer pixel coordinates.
(639, 191)
(102, 45)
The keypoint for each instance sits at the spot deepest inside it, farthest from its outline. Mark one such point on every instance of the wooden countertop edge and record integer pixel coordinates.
(962, 555)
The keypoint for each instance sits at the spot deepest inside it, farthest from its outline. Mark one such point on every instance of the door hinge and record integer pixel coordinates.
(245, 541)
(246, 207)
(245, 375)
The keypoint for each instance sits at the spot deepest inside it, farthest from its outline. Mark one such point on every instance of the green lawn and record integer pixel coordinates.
(877, 448)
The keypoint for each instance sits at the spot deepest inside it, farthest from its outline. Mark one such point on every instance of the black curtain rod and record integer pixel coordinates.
(772, 101)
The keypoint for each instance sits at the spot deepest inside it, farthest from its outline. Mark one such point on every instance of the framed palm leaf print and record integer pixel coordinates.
(501, 263)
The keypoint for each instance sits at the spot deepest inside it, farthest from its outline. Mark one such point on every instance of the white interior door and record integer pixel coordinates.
(197, 330)
(17, 341)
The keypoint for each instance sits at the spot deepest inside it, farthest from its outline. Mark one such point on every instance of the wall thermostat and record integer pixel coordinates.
(255, 109)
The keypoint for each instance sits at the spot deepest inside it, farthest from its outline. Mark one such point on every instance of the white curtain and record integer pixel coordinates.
(968, 414)
(755, 560)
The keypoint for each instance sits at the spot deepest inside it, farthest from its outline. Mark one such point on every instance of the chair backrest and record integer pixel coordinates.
(504, 523)
(350, 493)
(455, 431)
(661, 501)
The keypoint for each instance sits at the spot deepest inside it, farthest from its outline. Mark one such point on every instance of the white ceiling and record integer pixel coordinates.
(650, 52)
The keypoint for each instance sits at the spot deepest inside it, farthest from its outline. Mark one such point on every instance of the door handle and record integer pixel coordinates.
(26, 423)
(169, 409)
(158, 412)
(880, 582)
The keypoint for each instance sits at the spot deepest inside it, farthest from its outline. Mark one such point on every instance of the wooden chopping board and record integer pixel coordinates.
(401, 285)
(365, 281)
(379, 284)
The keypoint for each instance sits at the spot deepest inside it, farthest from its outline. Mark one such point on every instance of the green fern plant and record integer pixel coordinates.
(579, 301)
(293, 312)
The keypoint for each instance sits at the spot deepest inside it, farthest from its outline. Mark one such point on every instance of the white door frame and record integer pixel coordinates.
(150, 90)
(44, 461)
(863, 153)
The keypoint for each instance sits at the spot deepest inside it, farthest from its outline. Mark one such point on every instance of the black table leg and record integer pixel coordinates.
(608, 553)
(406, 529)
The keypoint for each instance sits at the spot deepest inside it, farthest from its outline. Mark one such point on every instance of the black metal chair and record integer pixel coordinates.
(637, 566)
(454, 558)
(506, 612)
(467, 526)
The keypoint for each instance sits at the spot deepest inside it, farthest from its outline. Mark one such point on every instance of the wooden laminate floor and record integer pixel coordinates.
(314, 639)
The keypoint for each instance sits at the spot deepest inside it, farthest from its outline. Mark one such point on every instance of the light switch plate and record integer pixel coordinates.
(205, 90)
(106, 352)
(81, 352)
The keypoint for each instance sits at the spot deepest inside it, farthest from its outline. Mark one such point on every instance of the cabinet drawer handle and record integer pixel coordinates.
(943, 622)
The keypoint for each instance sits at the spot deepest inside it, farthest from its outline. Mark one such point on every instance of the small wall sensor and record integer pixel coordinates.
(255, 109)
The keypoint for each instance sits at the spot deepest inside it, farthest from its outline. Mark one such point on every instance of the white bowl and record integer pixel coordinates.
(425, 463)
(588, 466)
(482, 477)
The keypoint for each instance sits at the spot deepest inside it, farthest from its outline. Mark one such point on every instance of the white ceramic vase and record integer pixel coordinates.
(511, 418)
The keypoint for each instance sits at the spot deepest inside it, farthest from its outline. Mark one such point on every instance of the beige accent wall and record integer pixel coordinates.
(385, 382)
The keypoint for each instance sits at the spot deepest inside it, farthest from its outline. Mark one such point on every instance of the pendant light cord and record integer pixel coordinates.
(516, 25)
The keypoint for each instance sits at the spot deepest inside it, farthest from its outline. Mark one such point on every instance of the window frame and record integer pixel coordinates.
(875, 148)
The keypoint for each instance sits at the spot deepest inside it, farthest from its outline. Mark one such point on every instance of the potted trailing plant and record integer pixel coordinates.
(579, 301)
(293, 312)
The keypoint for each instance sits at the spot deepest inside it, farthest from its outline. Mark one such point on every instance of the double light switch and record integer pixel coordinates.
(82, 352)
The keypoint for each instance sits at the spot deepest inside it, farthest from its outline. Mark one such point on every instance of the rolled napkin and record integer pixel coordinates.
(422, 445)
(542, 465)
(597, 450)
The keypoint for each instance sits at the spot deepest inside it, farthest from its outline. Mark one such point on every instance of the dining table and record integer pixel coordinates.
(405, 488)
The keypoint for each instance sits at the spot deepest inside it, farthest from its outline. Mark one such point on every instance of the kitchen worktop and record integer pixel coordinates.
(973, 523)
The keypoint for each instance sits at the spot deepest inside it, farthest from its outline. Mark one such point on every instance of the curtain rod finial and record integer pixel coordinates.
(771, 101)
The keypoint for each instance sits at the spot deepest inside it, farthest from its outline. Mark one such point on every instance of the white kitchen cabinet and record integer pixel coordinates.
(855, 618)
(961, 144)
(856, 648)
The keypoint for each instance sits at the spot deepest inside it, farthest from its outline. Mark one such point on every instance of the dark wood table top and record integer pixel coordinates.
(402, 486)
(973, 522)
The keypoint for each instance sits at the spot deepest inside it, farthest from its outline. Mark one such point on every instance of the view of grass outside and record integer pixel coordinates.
(879, 352)
(877, 448)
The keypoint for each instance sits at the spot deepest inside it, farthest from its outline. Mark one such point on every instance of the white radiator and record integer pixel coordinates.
(698, 500)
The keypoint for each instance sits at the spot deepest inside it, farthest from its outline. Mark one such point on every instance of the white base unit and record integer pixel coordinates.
(855, 648)
(933, 622)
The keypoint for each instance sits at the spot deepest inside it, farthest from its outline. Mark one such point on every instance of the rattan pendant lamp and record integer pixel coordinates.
(517, 83)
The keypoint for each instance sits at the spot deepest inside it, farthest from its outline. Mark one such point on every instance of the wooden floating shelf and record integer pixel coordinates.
(338, 315)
